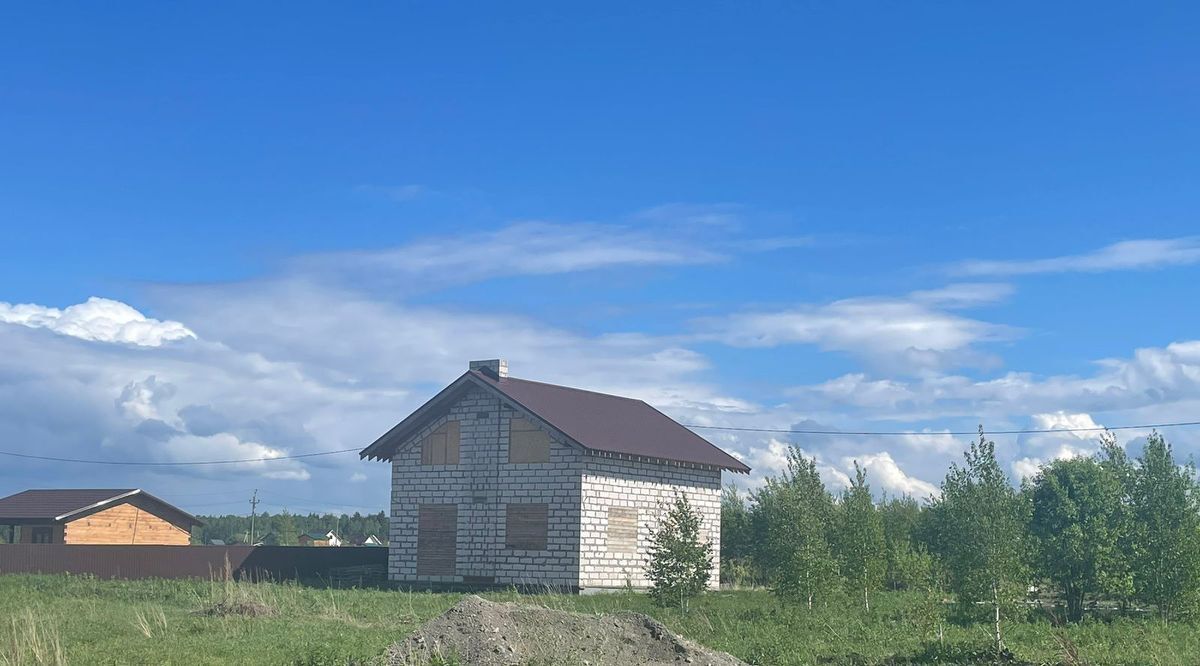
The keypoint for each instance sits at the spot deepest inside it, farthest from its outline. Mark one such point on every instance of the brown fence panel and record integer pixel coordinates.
(130, 562)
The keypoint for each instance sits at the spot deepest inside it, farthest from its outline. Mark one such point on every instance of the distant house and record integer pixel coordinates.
(93, 516)
(216, 542)
(498, 480)
(318, 538)
(371, 540)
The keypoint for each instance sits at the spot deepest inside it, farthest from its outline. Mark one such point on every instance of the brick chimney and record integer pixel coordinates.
(496, 367)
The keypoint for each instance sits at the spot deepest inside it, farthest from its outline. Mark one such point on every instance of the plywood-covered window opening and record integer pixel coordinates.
(622, 529)
(437, 539)
(525, 526)
(527, 443)
(441, 446)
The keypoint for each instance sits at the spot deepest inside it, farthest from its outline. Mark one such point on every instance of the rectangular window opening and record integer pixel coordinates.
(526, 525)
(441, 447)
(527, 443)
(622, 529)
(437, 539)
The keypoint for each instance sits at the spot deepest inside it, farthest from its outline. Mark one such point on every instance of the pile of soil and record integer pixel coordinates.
(485, 633)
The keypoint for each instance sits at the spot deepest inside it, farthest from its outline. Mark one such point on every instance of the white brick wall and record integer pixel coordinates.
(649, 488)
(481, 484)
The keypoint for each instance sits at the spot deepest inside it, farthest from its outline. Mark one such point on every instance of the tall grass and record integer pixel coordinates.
(82, 620)
(31, 638)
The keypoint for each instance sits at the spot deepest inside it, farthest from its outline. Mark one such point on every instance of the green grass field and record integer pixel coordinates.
(79, 620)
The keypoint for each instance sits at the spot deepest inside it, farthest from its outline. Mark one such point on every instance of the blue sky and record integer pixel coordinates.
(865, 217)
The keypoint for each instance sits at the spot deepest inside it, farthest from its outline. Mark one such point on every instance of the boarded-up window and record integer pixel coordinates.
(441, 446)
(525, 526)
(622, 529)
(527, 443)
(437, 539)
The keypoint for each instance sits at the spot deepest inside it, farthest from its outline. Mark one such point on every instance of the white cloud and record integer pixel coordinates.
(139, 400)
(897, 334)
(227, 446)
(964, 294)
(1079, 437)
(1027, 468)
(98, 319)
(358, 477)
(884, 473)
(1142, 254)
(528, 248)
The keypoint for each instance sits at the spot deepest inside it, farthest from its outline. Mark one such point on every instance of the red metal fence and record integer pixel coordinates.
(344, 565)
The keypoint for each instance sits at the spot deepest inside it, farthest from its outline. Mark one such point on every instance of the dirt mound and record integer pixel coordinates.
(484, 633)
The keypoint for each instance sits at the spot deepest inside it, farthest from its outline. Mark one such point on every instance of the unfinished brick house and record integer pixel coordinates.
(498, 480)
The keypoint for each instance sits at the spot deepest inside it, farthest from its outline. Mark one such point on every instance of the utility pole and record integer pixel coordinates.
(253, 513)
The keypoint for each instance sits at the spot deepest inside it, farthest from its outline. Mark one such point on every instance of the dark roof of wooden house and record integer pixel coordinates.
(62, 504)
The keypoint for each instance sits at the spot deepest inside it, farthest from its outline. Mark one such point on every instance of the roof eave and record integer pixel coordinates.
(99, 504)
(385, 446)
(136, 491)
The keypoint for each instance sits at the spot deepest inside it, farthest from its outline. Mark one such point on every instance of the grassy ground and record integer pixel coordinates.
(56, 619)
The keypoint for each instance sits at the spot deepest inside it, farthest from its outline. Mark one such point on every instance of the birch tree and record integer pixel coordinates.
(680, 563)
(900, 516)
(791, 517)
(1166, 565)
(981, 534)
(861, 548)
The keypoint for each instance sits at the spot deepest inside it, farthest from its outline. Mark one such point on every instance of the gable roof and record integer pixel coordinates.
(595, 421)
(318, 535)
(62, 503)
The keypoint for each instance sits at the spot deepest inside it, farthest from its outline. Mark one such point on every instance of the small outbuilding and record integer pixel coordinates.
(498, 481)
(94, 516)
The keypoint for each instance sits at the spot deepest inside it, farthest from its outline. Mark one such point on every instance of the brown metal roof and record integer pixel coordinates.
(54, 504)
(596, 421)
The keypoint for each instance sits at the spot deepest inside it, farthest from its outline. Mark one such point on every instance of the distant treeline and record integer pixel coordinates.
(283, 529)
(1102, 532)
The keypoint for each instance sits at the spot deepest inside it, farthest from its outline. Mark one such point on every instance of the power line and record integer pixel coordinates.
(305, 500)
(1027, 431)
(786, 431)
(182, 463)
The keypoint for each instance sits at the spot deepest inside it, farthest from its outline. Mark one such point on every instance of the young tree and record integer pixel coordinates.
(981, 530)
(901, 517)
(861, 550)
(1078, 523)
(737, 537)
(285, 529)
(1166, 566)
(680, 564)
(792, 519)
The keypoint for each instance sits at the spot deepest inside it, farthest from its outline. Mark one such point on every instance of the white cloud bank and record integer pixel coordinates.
(293, 364)
(1152, 376)
(98, 319)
